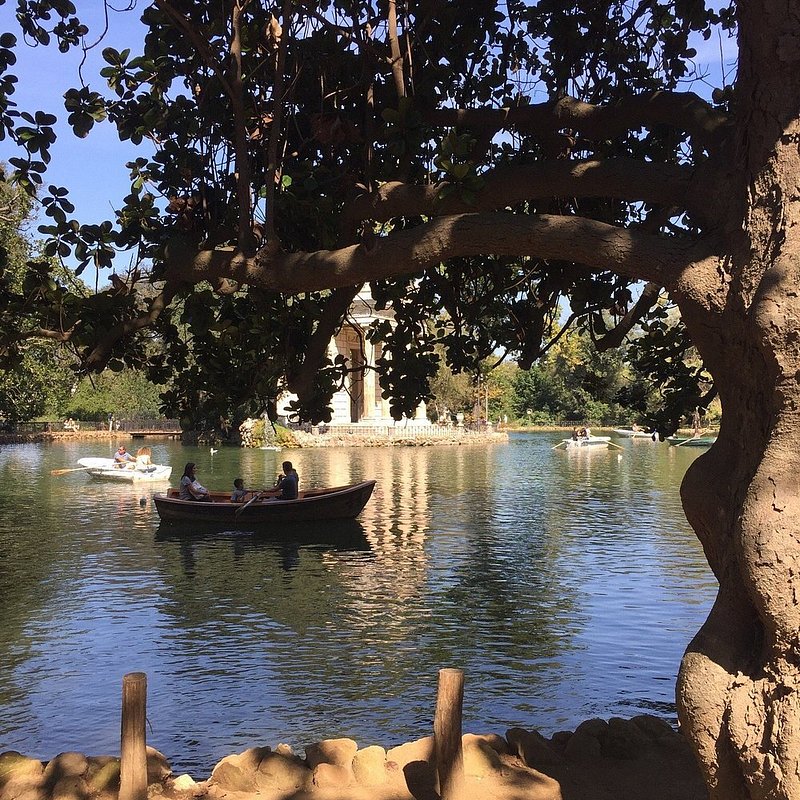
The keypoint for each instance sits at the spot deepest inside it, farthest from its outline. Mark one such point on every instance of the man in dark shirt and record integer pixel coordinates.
(288, 482)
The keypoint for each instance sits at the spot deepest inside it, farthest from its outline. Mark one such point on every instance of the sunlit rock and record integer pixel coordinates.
(369, 766)
(331, 751)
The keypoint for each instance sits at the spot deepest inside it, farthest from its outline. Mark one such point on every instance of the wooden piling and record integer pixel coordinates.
(447, 733)
(133, 752)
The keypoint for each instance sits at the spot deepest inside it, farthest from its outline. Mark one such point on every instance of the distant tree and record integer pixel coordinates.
(34, 373)
(573, 382)
(500, 384)
(451, 393)
(126, 393)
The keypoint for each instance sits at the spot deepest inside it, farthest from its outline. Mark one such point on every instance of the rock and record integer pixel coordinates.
(184, 783)
(284, 749)
(369, 766)
(594, 727)
(533, 748)
(480, 759)
(332, 776)
(582, 746)
(15, 765)
(158, 768)
(654, 727)
(421, 750)
(496, 742)
(65, 765)
(522, 783)
(416, 762)
(331, 751)
(624, 739)
(103, 774)
(559, 740)
(238, 772)
(284, 773)
(71, 787)
(21, 778)
(24, 788)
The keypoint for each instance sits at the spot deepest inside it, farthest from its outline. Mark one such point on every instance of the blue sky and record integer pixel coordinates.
(93, 169)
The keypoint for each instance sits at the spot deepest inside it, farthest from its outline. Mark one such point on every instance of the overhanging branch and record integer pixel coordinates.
(594, 244)
(101, 352)
(619, 178)
(615, 336)
(679, 110)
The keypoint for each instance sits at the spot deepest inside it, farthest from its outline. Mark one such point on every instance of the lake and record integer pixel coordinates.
(566, 585)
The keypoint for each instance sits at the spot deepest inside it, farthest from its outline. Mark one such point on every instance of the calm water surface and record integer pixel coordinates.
(566, 585)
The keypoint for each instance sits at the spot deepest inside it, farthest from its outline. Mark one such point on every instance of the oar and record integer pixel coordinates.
(558, 445)
(251, 500)
(611, 444)
(65, 471)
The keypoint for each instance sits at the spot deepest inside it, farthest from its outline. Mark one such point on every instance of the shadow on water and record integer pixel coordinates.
(333, 534)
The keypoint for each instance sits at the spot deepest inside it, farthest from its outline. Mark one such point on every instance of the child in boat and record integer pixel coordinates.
(239, 492)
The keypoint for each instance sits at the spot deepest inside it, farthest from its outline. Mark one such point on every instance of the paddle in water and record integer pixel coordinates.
(65, 471)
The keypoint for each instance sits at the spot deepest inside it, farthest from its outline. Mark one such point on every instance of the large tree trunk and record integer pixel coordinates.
(739, 685)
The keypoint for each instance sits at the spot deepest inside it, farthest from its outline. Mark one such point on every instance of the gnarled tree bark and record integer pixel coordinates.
(739, 684)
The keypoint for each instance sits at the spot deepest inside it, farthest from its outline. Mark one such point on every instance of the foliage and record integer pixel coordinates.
(276, 435)
(124, 394)
(35, 377)
(664, 357)
(574, 383)
(272, 127)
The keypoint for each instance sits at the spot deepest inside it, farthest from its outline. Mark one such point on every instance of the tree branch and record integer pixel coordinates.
(394, 48)
(242, 162)
(271, 174)
(684, 111)
(101, 352)
(615, 336)
(301, 380)
(597, 245)
(624, 179)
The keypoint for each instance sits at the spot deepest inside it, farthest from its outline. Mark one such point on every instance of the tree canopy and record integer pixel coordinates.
(457, 156)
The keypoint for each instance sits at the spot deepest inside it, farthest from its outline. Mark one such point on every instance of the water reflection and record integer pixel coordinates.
(565, 586)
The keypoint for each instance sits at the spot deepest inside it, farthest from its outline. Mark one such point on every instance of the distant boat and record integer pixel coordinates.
(109, 470)
(632, 434)
(693, 441)
(312, 505)
(586, 441)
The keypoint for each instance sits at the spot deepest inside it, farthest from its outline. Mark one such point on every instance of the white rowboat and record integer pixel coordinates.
(108, 469)
(632, 434)
(587, 441)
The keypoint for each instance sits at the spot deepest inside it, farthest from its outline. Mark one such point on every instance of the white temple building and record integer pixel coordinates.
(361, 401)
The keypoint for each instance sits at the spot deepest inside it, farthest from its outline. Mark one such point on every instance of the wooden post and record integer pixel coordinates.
(447, 733)
(133, 752)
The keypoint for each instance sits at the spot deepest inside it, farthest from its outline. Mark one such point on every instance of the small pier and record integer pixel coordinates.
(150, 433)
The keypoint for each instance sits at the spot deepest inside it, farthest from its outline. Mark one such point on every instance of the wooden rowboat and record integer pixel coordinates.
(107, 469)
(339, 502)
